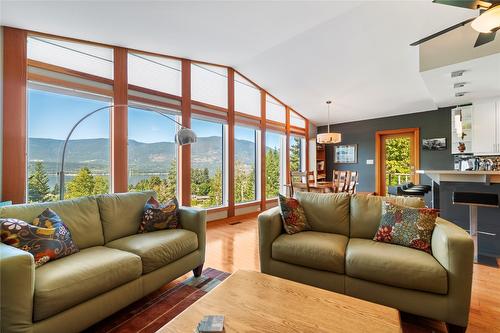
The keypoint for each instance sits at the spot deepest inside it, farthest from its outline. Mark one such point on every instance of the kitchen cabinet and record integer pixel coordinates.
(486, 127)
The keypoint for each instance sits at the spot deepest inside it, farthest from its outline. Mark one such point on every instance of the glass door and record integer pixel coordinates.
(397, 158)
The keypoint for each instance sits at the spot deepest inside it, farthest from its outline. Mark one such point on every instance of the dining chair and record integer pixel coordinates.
(311, 177)
(299, 182)
(340, 180)
(353, 181)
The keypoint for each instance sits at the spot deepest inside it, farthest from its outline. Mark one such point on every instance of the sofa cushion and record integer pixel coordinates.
(366, 211)
(406, 226)
(46, 239)
(158, 248)
(395, 265)
(292, 215)
(121, 213)
(71, 280)
(80, 215)
(326, 212)
(159, 216)
(318, 250)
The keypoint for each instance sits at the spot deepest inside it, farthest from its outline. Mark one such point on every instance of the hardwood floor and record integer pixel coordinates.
(232, 246)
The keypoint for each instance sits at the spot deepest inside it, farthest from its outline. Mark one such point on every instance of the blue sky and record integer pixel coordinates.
(52, 115)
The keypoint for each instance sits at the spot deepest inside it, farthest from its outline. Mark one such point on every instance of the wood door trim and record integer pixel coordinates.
(415, 131)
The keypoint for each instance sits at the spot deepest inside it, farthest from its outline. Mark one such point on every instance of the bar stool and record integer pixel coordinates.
(474, 200)
(407, 190)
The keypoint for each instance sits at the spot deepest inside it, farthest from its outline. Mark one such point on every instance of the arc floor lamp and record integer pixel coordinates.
(184, 136)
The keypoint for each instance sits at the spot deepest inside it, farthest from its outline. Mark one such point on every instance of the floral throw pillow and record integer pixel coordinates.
(159, 216)
(293, 216)
(48, 238)
(410, 227)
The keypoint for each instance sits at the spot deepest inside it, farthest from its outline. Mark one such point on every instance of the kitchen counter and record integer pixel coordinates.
(485, 177)
(446, 182)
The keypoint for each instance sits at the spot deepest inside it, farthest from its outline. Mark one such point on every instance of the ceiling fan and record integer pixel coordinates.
(487, 23)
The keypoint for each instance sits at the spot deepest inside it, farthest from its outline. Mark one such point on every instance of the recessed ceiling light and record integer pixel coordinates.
(460, 94)
(457, 73)
(459, 85)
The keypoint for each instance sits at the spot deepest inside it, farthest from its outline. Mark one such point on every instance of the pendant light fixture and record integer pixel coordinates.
(327, 138)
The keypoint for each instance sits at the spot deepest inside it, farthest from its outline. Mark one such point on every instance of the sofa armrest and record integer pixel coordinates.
(454, 250)
(270, 227)
(17, 275)
(194, 219)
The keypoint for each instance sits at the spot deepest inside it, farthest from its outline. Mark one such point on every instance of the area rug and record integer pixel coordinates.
(155, 310)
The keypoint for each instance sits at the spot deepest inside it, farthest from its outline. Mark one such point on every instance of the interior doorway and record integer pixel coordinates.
(397, 158)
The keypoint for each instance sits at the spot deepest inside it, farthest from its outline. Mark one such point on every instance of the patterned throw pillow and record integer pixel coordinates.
(293, 216)
(48, 238)
(159, 216)
(410, 227)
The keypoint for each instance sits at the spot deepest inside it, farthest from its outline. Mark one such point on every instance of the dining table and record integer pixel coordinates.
(321, 186)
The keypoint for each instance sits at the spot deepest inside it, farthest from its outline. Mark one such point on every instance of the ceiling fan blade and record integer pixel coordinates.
(485, 38)
(453, 27)
(473, 4)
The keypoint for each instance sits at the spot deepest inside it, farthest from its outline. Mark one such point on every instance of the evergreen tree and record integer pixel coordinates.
(38, 184)
(295, 154)
(82, 185)
(272, 172)
(55, 191)
(200, 182)
(171, 180)
(216, 190)
(101, 185)
(244, 183)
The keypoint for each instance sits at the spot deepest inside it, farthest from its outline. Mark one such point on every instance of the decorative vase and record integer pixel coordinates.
(461, 147)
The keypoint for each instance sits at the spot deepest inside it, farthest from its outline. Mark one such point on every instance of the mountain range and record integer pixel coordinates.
(143, 157)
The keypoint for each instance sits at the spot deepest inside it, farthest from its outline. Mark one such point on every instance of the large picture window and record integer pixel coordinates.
(152, 152)
(51, 115)
(245, 148)
(275, 168)
(207, 162)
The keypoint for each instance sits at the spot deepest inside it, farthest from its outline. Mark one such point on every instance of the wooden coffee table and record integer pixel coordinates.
(256, 302)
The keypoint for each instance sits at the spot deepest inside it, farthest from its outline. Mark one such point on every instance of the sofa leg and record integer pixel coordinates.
(452, 328)
(197, 271)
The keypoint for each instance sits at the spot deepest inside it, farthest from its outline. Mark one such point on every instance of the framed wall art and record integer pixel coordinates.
(345, 153)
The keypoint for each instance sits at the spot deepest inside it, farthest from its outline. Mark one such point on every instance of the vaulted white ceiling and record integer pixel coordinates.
(304, 52)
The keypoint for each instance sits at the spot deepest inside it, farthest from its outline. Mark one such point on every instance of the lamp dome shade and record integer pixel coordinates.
(327, 138)
(185, 136)
(488, 21)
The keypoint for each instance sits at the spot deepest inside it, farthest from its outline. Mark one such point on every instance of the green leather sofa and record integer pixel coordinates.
(339, 254)
(115, 265)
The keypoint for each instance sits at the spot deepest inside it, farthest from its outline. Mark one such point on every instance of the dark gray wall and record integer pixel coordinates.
(432, 124)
